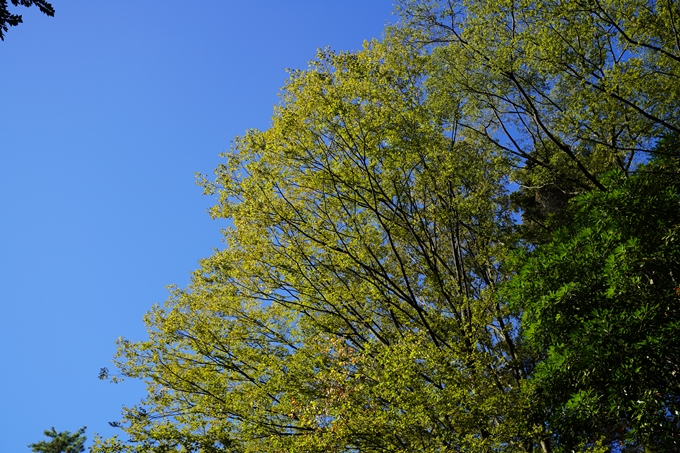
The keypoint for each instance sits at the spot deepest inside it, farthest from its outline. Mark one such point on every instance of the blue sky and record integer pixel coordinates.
(106, 112)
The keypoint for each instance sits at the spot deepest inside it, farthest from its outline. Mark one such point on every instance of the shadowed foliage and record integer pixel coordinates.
(7, 19)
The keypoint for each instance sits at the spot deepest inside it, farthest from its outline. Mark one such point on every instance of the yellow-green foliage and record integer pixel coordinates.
(572, 89)
(353, 306)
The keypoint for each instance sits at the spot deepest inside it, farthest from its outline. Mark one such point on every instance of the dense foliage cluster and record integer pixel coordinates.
(462, 238)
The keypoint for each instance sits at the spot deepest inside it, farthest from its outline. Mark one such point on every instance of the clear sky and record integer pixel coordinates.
(106, 112)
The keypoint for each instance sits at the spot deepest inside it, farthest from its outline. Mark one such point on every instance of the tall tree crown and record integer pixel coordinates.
(369, 295)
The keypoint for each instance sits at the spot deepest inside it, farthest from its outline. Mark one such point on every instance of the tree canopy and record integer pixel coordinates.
(601, 304)
(442, 243)
(572, 89)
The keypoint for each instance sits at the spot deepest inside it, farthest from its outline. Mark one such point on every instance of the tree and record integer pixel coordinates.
(61, 442)
(353, 308)
(572, 89)
(8, 19)
(358, 304)
(601, 305)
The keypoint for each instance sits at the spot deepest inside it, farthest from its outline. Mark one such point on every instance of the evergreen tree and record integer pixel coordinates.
(61, 442)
